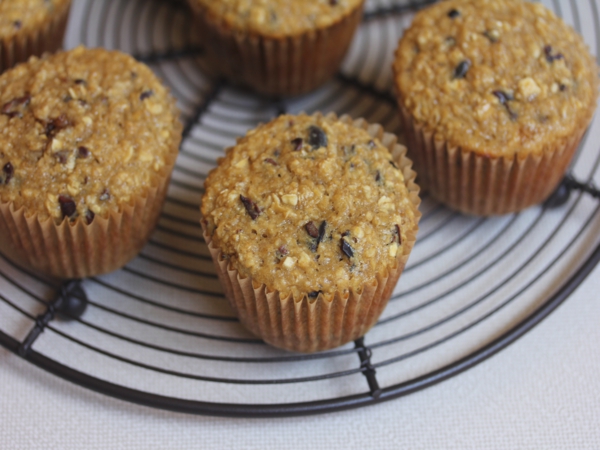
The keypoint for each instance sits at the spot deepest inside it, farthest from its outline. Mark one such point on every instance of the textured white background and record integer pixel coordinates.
(543, 392)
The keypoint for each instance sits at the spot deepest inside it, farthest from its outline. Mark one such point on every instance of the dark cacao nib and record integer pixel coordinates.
(14, 107)
(83, 152)
(251, 208)
(282, 250)
(377, 176)
(462, 69)
(316, 137)
(346, 249)
(89, 216)
(312, 230)
(271, 161)
(9, 171)
(396, 235)
(56, 125)
(453, 13)
(549, 56)
(297, 144)
(322, 229)
(105, 195)
(62, 156)
(67, 206)
(17, 24)
(314, 294)
(504, 98)
(80, 81)
(146, 94)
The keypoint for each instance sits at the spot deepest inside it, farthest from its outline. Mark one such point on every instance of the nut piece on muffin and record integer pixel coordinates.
(278, 47)
(495, 96)
(31, 27)
(310, 221)
(88, 142)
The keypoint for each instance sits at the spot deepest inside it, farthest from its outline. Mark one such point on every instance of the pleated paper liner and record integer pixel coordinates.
(311, 325)
(26, 43)
(480, 185)
(75, 249)
(273, 66)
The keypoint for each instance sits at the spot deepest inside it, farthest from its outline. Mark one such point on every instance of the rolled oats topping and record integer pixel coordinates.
(25, 15)
(498, 77)
(317, 221)
(76, 137)
(279, 17)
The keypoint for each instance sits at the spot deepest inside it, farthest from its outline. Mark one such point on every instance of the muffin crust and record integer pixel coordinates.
(496, 77)
(19, 16)
(276, 18)
(309, 205)
(82, 132)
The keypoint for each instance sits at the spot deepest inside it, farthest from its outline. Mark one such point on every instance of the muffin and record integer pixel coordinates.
(495, 96)
(30, 27)
(278, 48)
(88, 141)
(310, 221)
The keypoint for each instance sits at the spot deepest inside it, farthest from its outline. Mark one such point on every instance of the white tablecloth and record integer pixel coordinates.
(543, 392)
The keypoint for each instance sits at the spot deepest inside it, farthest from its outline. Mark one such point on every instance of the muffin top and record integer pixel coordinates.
(497, 77)
(309, 205)
(25, 15)
(278, 17)
(81, 132)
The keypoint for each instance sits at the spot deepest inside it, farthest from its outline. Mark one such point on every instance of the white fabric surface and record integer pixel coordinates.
(543, 392)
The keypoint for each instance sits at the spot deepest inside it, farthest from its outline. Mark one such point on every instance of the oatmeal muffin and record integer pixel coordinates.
(87, 143)
(310, 221)
(495, 96)
(277, 47)
(30, 27)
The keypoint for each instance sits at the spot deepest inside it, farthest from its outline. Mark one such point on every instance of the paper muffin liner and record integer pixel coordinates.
(311, 325)
(25, 43)
(275, 66)
(74, 249)
(481, 185)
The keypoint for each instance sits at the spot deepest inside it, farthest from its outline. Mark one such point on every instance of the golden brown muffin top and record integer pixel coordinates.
(309, 204)
(82, 132)
(498, 77)
(26, 15)
(278, 18)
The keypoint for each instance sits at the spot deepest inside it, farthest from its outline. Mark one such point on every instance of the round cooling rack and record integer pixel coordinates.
(160, 333)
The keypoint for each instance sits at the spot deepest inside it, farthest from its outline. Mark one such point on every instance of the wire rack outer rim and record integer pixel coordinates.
(315, 407)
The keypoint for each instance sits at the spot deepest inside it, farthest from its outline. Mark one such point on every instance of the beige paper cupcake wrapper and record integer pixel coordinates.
(307, 325)
(481, 185)
(47, 38)
(78, 250)
(276, 66)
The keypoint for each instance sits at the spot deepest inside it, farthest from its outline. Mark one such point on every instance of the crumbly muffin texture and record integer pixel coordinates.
(82, 132)
(498, 77)
(309, 205)
(24, 15)
(278, 17)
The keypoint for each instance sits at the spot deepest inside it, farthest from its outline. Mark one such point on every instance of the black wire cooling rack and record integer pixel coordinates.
(160, 333)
